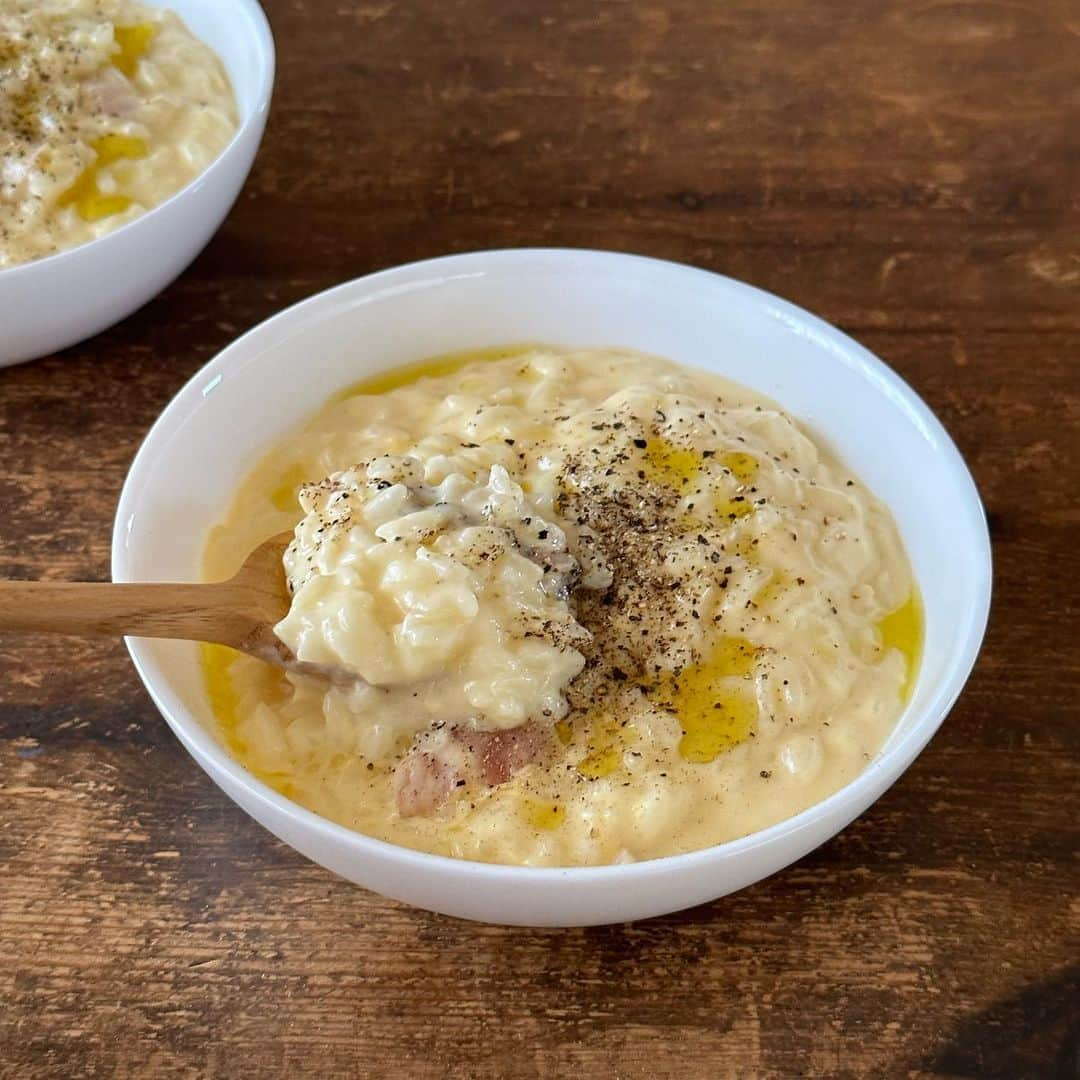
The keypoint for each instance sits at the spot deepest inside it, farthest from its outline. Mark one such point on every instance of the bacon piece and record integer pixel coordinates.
(500, 754)
(441, 761)
(112, 94)
(423, 783)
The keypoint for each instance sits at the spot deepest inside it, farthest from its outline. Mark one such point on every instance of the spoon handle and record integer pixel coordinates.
(197, 612)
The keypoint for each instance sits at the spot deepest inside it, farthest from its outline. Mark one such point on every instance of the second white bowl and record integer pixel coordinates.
(54, 302)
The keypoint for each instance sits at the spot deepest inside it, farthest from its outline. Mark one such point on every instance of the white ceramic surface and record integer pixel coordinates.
(279, 373)
(54, 302)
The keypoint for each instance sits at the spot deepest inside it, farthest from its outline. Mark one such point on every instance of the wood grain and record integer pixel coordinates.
(910, 170)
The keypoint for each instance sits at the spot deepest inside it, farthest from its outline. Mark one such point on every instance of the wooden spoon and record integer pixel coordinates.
(240, 612)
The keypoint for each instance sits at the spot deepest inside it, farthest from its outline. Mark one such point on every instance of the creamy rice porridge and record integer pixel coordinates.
(107, 107)
(598, 608)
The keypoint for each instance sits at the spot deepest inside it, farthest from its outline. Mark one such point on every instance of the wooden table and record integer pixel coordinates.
(910, 171)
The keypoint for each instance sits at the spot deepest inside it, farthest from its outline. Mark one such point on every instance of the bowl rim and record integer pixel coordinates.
(844, 804)
(255, 117)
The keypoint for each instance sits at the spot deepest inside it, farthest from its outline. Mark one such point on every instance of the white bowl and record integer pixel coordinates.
(277, 375)
(57, 301)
